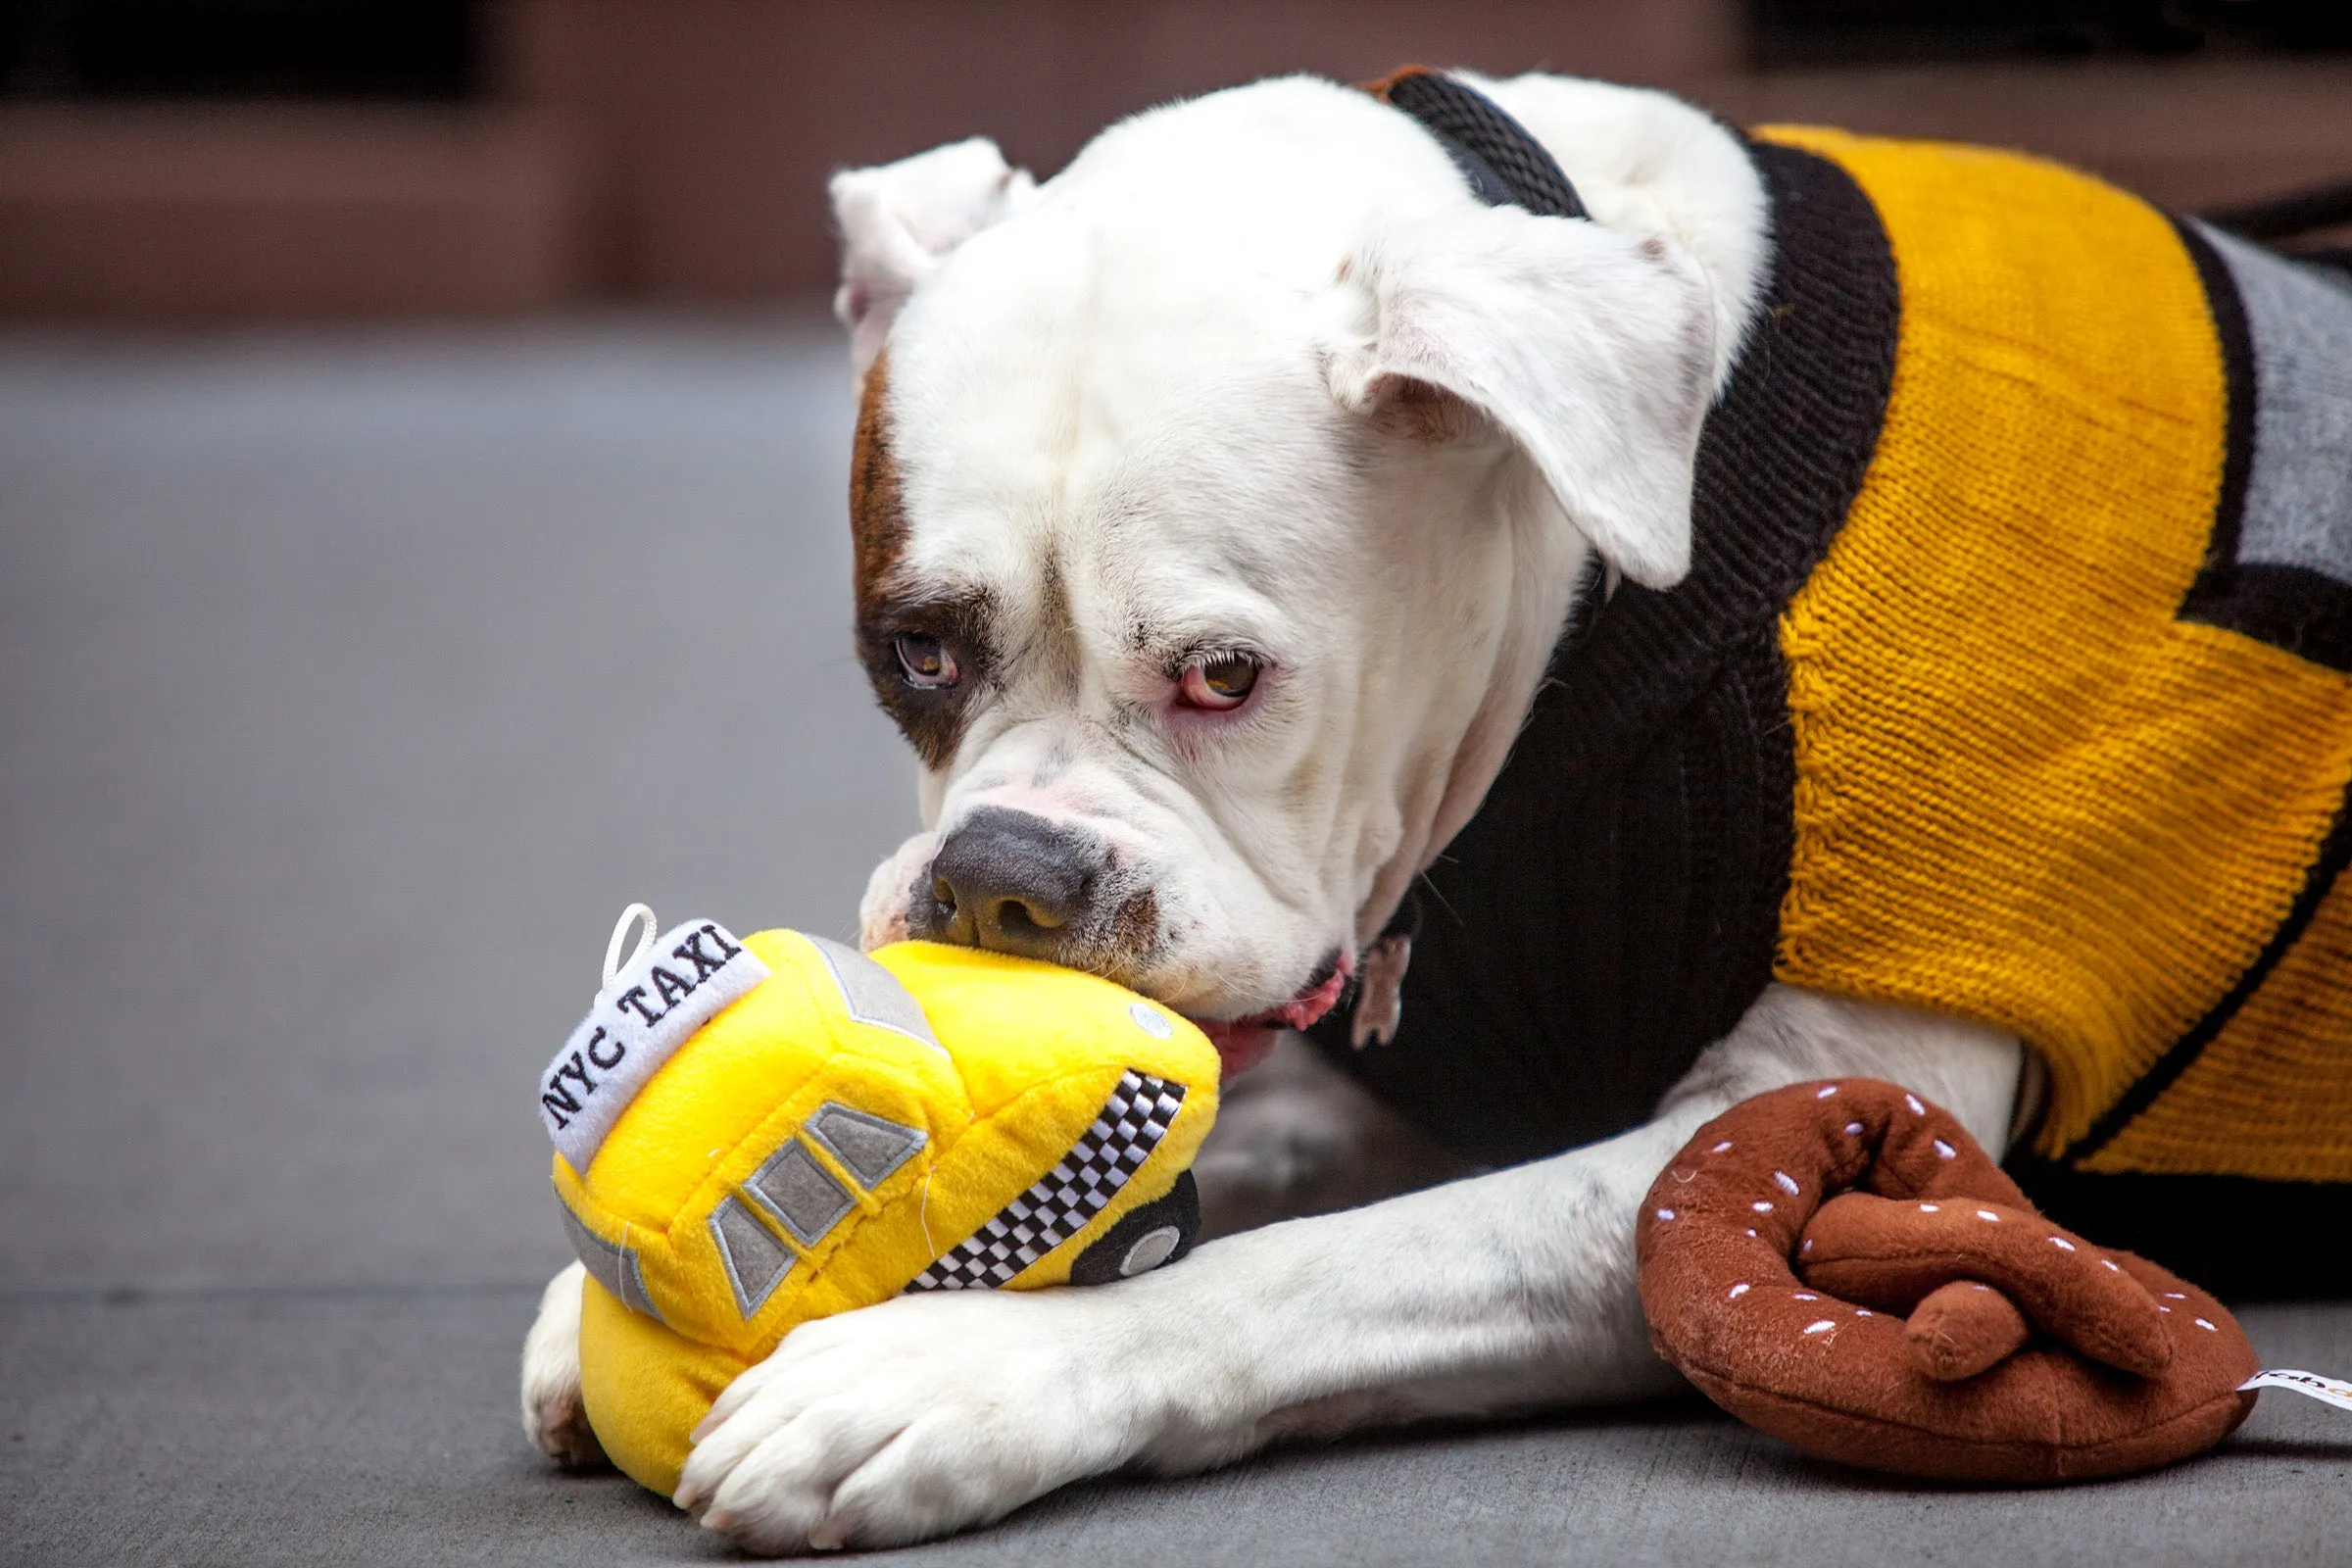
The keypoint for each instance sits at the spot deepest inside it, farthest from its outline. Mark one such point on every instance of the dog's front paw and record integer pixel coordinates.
(554, 1417)
(918, 1416)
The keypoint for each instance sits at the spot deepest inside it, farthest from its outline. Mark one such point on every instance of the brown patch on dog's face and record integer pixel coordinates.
(932, 717)
(877, 510)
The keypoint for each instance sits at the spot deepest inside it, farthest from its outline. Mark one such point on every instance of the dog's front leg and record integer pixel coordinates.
(932, 1413)
(1544, 1311)
(553, 1415)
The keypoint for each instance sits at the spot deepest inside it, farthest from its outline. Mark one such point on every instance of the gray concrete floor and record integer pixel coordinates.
(349, 686)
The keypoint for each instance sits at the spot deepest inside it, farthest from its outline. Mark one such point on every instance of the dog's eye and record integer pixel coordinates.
(926, 660)
(1220, 683)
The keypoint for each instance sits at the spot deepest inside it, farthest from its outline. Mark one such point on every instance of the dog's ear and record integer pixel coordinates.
(897, 220)
(1592, 350)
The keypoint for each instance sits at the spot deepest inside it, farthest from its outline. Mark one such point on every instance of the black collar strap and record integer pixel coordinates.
(1504, 165)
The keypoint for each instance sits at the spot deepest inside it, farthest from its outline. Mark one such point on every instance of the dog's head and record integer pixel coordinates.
(1216, 506)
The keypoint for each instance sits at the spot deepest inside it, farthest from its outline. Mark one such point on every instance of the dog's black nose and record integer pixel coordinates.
(1011, 882)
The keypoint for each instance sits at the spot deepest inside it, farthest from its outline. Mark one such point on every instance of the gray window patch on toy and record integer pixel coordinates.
(757, 1263)
(800, 1193)
(867, 1145)
(873, 995)
(612, 1266)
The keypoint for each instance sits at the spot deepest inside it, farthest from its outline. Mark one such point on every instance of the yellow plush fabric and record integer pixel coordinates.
(1027, 1057)
(2094, 856)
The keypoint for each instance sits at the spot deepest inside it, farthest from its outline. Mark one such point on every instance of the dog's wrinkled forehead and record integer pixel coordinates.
(1109, 400)
(1114, 502)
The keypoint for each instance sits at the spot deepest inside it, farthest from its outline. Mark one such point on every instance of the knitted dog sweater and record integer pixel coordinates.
(2013, 680)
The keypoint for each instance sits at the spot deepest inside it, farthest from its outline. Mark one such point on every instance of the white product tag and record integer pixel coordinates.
(648, 1008)
(2328, 1391)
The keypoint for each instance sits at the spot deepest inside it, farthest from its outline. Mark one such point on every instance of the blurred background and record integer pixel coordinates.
(422, 451)
(247, 159)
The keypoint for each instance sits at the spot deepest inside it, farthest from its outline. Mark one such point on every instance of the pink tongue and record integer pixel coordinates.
(1242, 1043)
(1304, 1010)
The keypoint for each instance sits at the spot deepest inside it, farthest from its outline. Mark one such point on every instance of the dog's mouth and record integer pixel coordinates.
(1242, 1043)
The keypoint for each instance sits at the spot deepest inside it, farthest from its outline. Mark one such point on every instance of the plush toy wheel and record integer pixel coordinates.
(1841, 1265)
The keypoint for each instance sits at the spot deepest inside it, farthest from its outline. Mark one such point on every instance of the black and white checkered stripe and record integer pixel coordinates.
(1128, 1128)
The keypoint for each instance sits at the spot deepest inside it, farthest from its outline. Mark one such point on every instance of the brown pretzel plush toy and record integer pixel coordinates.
(1839, 1264)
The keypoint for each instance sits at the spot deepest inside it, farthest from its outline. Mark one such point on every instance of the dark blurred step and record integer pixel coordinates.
(208, 212)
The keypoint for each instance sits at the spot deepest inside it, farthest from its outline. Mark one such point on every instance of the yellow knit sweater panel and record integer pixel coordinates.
(2028, 793)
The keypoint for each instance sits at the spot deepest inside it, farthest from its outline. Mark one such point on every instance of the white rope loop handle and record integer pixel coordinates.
(635, 912)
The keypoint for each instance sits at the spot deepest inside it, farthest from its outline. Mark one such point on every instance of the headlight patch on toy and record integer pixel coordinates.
(675, 985)
(1130, 1125)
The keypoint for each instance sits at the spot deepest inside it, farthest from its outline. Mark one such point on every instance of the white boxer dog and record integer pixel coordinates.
(1219, 503)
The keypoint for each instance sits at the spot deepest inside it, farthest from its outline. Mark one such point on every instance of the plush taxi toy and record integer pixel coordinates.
(754, 1133)
(1841, 1265)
